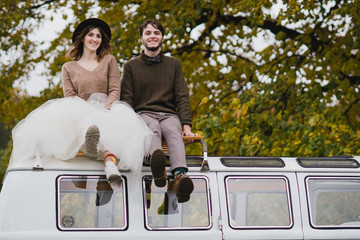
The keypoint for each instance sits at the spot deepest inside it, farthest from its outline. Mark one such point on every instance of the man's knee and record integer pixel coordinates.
(172, 130)
(155, 127)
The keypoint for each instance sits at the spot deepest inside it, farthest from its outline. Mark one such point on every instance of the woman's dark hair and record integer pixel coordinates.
(77, 49)
(155, 24)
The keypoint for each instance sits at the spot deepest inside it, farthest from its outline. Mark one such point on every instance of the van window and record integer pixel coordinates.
(163, 212)
(90, 203)
(334, 201)
(258, 202)
(332, 162)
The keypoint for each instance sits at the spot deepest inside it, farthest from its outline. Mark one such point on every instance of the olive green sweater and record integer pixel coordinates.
(159, 87)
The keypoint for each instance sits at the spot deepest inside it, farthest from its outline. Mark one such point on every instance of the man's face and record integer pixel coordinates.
(151, 38)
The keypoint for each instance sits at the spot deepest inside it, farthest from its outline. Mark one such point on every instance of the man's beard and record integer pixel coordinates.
(153, 49)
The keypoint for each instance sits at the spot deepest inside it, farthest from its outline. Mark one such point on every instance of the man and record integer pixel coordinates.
(153, 84)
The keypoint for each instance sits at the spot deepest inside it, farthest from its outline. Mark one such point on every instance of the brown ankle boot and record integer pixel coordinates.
(183, 187)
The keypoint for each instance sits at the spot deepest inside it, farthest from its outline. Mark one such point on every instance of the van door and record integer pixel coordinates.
(257, 206)
(332, 205)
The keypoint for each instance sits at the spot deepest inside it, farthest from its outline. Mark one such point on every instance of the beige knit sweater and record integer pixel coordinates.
(105, 78)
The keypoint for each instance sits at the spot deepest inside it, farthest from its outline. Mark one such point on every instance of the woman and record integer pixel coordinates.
(90, 117)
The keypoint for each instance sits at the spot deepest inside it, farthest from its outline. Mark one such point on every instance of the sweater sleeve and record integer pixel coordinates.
(182, 96)
(127, 94)
(113, 82)
(68, 87)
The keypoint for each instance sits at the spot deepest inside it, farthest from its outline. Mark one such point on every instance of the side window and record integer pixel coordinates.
(163, 212)
(258, 202)
(334, 202)
(90, 203)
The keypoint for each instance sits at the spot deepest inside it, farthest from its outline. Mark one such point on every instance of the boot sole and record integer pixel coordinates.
(184, 189)
(91, 141)
(158, 165)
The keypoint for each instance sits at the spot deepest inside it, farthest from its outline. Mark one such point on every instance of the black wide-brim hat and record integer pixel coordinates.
(94, 22)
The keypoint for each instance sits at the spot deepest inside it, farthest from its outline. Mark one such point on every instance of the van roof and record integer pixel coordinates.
(215, 163)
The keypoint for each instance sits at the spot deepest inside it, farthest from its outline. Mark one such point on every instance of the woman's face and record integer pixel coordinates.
(92, 40)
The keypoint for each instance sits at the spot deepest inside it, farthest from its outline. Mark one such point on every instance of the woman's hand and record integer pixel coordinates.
(107, 107)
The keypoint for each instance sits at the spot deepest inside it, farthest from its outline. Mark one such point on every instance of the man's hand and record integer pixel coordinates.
(187, 131)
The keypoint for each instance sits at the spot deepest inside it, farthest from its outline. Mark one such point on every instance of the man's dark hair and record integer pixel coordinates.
(154, 23)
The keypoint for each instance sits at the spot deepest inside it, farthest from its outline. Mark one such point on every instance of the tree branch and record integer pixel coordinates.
(354, 80)
(348, 109)
(42, 4)
(328, 14)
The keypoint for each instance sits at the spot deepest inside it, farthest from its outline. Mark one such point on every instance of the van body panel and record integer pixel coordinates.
(239, 198)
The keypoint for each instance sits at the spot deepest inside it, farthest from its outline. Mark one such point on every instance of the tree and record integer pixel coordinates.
(267, 78)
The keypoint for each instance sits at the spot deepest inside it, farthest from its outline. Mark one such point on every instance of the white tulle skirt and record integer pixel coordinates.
(58, 128)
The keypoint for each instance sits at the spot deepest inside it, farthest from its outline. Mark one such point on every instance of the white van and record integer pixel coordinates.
(233, 198)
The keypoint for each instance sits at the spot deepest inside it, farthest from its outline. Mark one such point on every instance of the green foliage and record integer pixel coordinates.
(294, 92)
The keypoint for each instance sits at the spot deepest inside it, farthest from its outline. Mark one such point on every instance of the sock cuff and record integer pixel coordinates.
(178, 171)
(110, 157)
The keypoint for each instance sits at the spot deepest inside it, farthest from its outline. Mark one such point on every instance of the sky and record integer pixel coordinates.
(47, 31)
